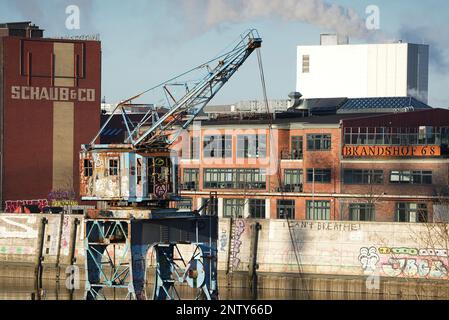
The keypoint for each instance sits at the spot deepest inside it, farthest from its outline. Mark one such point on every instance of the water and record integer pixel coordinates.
(23, 289)
(316, 288)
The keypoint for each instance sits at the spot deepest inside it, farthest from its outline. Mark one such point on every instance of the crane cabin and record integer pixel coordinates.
(118, 173)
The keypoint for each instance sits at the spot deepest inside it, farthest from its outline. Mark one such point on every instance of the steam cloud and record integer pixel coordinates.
(432, 37)
(206, 14)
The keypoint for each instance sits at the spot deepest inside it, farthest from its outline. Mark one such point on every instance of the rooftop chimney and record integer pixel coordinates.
(332, 39)
(20, 29)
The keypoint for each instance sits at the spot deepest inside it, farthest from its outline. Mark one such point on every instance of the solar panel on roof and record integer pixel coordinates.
(383, 103)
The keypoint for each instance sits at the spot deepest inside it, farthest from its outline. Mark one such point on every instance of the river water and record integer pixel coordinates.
(315, 288)
(23, 289)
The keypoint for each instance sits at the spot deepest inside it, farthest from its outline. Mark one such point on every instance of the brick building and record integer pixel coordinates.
(49, 106)
(362, 161)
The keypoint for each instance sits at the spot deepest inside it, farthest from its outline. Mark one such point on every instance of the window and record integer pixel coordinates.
(233, 208)
(193, 150)
(250, 179)
(88, 168)
(293, 180)
(113, 167)
(286, 209)
(316, 142)
(212, 207)
(361, 212)
(393, 136)
(218, 146)
(319, 175)
(185, 204)
(361, 176)
(234, 179)
(257, 208)
(305, 64)
(318, 210)
(411, 212)
(296, 148)
(191, 179)
(251, 146)
(411, 177)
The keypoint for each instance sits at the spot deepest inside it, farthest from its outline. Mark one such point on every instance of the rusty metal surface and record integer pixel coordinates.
(137, 177)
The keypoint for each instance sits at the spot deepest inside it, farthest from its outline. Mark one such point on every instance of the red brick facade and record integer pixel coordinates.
(384, 197)
(50, 105)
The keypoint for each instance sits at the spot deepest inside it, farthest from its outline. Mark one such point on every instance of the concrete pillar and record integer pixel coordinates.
(199, 203)
(246, 213)
(267, 208)
(220, 207)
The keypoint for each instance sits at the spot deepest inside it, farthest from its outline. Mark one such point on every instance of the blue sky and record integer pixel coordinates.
(147, 41)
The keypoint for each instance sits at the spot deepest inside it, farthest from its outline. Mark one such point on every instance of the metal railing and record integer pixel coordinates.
(294, 155)
(293, 188)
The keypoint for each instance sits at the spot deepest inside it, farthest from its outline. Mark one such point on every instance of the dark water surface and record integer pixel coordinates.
(23, 289)
(323, 289)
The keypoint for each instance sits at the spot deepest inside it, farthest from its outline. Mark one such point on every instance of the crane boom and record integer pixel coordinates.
(164, 130)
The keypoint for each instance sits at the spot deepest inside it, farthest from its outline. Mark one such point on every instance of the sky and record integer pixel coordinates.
(145, 42)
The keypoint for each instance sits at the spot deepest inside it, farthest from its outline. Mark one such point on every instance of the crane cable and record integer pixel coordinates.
(270, 126)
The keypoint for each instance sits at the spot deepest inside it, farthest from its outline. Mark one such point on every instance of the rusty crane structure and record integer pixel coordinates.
(135, 182)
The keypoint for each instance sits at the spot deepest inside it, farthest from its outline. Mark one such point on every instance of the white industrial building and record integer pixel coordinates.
(338, 69)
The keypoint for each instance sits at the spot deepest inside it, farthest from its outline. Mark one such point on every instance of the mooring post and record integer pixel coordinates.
(253, 266)
(72, 256)
(40, 257)
(58, 254)
(230, 243)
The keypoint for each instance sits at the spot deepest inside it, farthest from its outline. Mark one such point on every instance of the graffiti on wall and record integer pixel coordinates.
(236, 243)
(56, 198)
(368, 258)
(18, 227)
(98, 161)
(13, 205)
(406, 262)
(62, 198)
(326, 226)
(20, 250)
(64, 203)
(223, 240)
(65, 236)
(61, 195)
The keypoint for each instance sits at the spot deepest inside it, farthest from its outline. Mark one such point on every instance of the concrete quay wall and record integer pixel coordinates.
(335, 248)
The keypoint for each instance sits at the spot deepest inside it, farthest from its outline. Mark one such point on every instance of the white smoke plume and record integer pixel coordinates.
(207, 14)
(431, 35)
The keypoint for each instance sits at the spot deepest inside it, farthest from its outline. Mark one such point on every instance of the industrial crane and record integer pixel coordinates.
(141, 169)
(135, 181)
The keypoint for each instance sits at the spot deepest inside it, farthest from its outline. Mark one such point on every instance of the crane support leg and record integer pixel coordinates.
(117, 250)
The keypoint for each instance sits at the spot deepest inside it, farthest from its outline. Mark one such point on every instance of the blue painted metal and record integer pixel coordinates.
(134, 238)
(104, 271)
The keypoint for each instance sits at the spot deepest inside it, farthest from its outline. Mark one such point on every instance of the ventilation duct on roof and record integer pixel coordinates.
(295, 101)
